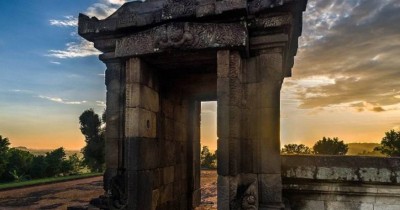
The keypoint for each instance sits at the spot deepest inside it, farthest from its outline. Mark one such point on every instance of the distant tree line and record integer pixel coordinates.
(208, 160)
(389, 146)
(18, 165)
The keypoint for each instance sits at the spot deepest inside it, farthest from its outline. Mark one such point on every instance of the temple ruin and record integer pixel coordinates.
(163, 58)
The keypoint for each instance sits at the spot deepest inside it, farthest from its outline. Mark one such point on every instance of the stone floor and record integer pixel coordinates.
(79, 192)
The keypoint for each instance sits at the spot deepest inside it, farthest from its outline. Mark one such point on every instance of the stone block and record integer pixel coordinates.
(270, 94)
(334, 205)
(167, 108)
(229, 121)
(270, 157)
(223, 89)
(269, 123)
(223, 192)
(235, 92)
(141, 96)
(168, 175)
(114, 128)
(234, 156)
(113, 101)
(270, 188)
(235, 65)
(223, 63)
(155, 199)
(247, 150)
(167, 152)
(142, 153)
(137, 71)
(223, 156)
(169, 128)
(167, 193)
(140, 123)
(304, 204)
(251, 73)
(385, 207)
(111, 152)
(180, 131)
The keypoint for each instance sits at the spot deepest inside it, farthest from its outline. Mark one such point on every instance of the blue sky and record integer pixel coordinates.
(345, 80)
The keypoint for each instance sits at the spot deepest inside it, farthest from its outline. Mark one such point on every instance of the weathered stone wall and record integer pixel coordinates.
(341, 182)
(162, 141)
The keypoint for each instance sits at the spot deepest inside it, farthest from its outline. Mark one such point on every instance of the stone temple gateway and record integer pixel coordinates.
(163, 58)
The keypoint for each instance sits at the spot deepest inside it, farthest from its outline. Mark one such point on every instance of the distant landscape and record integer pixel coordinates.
(363, 149)
(354, 149)
(37, 152)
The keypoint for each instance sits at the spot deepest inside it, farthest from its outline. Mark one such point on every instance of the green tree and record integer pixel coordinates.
(54, 160)
(390, 144)
(39, 167)
(19, 164)
(330, 146)
(208, 159)
(93, 152)
(73, 165)
(4, 143)
(295, 149)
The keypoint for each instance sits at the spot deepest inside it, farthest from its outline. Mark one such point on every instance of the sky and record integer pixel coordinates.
(345, 79)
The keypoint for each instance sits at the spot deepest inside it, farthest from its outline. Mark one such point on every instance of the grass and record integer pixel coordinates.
(12, 185)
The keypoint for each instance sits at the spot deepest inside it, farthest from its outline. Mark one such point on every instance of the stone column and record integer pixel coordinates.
(264, 77)
(229, 95)
(141, 152)
(114, 119)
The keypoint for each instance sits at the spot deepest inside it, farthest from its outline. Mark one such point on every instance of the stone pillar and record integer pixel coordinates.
(264, 77)
(194, 154)
(229, 95)
(114, 120)
(141, 152)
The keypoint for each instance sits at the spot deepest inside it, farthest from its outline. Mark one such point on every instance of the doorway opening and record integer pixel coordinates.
(208, 154)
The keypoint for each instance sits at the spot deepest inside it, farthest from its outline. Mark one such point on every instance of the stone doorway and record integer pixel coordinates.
(163, 58)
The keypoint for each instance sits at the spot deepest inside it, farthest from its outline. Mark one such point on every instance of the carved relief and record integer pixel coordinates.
(182, 36)
(117, 197)
(174, 36)
(256, 6)
(250, 200)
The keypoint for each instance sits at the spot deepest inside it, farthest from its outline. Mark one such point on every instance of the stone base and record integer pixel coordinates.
(272, 206)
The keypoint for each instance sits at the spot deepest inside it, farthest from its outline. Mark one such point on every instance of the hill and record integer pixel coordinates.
(44, 151)
(363, 149)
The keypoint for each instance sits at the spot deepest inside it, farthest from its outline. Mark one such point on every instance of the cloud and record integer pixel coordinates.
(101, 103)
(351, 46)
(55, 62)
(104, 8)
(82, 48)
(68, 21)
(61, 101)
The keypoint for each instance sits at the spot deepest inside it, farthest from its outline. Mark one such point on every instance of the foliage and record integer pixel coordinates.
(208, 159)
(330, 146)
(295, 149)
(73, 165)
(4, 143)
(390, 144)
(39, 166)
(93, 152)
(54, 160)
(19, 164)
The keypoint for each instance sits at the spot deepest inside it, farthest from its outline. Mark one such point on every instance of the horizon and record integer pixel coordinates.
(344, 84)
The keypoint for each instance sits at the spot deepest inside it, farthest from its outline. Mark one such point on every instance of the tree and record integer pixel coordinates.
(39, 167)
(19, 164)
(390, 144)
(4, 143)
(93, 152)
(54, 160)
(207, 159)
(328, 146)
(295, 149)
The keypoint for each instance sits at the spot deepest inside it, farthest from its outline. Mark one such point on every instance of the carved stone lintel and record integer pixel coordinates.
(185, 36)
